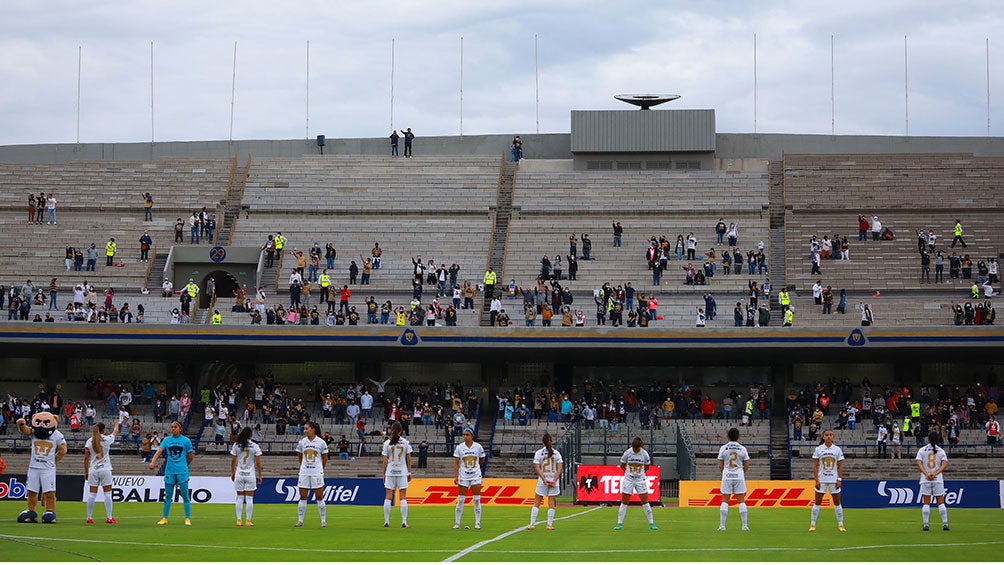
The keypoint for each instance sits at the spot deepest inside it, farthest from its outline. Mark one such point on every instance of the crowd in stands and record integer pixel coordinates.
(894, 412)
(606, 406)
(84, 306)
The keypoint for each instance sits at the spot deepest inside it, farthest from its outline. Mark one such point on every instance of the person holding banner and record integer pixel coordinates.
(548, 464)
(245, 472)
(828, 470)
(635, 462)
(179, 456)
(932, 461)
(396, 472)
(468, 458)
(98, 468)
(312, 452)
(733, 462)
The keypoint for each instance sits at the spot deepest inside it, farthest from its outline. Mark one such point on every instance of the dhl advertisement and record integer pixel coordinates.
(602, 483)
(763, 494)
(493, 492)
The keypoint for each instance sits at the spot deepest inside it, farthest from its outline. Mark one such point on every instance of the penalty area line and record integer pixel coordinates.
(502, 536)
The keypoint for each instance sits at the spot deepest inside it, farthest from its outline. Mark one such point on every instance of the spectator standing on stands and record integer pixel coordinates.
(393, 145)
(516, 150)
(876, 228)
(618, 233)
(147, 207)
(50, 206)
(408, 139)
(145, 243)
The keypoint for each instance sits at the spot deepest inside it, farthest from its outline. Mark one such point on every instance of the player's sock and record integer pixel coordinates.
(723, 514)
(621, 513)
(839, 511)
(404, 511)
(90, 503)
(301, 510)
(743, 513)
(925, 512)
(534, 512)
(943, 510)
(648, 512)
(167, 503)
(815, 515)
(477, 509)
(239, 506)
(186, 499)
(108, 505)
(322, 509)
(248, 506)
(550, 517)
(386, 511)
(460, 508)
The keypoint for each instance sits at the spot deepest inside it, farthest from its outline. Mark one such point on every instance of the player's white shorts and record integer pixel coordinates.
(100, 478)
(634, 486)
(733, 486)
(310, 481)
(41, 480)
(391, 482)
(468, 481)
(828, 488)
(936, 488)
(544, 490)
(244, 483)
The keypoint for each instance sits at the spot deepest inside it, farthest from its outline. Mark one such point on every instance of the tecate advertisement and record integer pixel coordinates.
(602, 483)
(886, 494)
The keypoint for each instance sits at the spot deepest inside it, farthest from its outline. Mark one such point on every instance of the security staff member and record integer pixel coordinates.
(325, 284)
(280, 242)
(217, 318)
(784, 297)
(915, 410)
(489, 284)
(110, 252)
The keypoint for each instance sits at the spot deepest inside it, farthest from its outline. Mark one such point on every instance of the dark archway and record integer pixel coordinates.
(225, 284)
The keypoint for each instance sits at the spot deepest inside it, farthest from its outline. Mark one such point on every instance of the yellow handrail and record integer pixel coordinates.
(240, 200)
(226, 198)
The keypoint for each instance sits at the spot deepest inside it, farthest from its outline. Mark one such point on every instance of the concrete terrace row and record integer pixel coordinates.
(98, 200)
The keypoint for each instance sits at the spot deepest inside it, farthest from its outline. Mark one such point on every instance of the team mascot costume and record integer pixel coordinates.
(48, 446)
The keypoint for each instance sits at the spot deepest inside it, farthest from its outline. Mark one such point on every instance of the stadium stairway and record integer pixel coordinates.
(500, 229)
(780, 465)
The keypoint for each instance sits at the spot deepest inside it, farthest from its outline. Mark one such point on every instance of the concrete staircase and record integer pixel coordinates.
(500, 230)
(780, 467)
(776, 260)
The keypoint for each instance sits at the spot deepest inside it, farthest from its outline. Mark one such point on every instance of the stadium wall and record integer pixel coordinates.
(536, 146)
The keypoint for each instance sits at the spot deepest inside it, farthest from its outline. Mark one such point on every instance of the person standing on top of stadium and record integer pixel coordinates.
(468, 458)
(733, 462)
(548, 464)
(179, 457)
(828, 471)
(98, 468)
(245, 472)
(932, 460)
(312, 453)
(635, 462)
(396, 453)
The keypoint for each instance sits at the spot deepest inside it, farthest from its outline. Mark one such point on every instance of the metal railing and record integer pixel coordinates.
(686, 460)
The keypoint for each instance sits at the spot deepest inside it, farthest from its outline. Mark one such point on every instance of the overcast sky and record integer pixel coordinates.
(589, 50)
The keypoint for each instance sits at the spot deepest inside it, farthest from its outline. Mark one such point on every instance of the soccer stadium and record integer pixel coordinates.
(684, 344)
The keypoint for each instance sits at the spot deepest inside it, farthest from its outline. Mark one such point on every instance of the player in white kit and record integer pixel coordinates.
(312, 452)
(245, 472)
(98, 468)
(828, 470)
(548, 464)
(733, 462)
(468, 458)
(396, 472)
(932, 461)
(635, 462)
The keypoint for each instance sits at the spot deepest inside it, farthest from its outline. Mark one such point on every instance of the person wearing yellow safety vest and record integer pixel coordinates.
(217, 318)
(280, 242)
(915, 410)
(192, 289)
(110, 252)
(489, 284)
(906, 426)
(789, 316)
(748, 412)
(784, 297)
(958, 234)
(325, 284)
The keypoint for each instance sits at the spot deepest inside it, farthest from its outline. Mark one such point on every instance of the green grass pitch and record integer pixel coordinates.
(581, 534)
